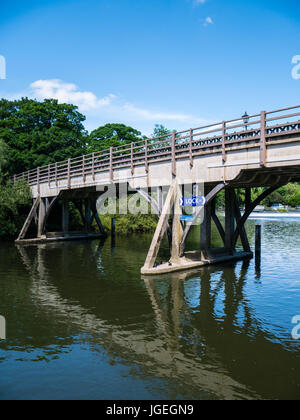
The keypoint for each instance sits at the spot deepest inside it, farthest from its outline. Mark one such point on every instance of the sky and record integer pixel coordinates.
(180, 63)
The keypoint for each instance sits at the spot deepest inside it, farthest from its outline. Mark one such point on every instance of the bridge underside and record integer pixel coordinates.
(169, 214)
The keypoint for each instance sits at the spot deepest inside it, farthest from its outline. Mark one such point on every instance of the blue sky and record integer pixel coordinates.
(176, 62)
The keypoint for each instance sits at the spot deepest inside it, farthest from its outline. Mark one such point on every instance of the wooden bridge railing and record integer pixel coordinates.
(251, 131)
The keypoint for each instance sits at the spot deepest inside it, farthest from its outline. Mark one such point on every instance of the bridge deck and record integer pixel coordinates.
(262, 146)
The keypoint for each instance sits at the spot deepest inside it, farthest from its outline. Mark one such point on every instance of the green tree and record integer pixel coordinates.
(40, 133)
(3, 157)
(14, 206)
(112, 135)
(160, 131)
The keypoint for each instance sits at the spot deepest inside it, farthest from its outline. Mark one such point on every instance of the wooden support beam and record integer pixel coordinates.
(214, 192)
(49, 207)
(29, 219)
(229, 220)
(247, 198)
(241, 228)
(217, 221)
(160, 199)
(65, 217)
(258, 240)
(41, 219)
(113, 227)
(78, 206)
(252, 207)
(97, 218)
(47, 203)
(177, 230)
(161, 228)
(155, 205)
(88, 215)
(205, 232)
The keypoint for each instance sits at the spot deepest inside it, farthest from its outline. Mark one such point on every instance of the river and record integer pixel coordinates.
(83, 324)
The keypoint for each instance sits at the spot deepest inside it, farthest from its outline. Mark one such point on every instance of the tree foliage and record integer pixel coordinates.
(40, 133)
(3, 156)
(160, 131)
(14, 206)
(288, 195)
(112, 135)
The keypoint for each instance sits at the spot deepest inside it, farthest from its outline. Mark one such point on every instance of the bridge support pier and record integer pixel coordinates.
(229, 220)
(41, 209)
(41, 218)
(88, 215)
(205, 230)
(65, 217)
(180, 260)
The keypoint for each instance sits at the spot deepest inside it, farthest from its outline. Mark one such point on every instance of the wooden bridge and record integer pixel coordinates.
(261, 150)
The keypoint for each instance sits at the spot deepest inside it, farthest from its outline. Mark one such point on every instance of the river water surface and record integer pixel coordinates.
(83, 324)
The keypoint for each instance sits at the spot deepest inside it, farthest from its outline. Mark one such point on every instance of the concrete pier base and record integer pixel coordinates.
(192, 260)
(60, 238)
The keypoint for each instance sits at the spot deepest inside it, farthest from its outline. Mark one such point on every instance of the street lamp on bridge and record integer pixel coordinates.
(246, 120)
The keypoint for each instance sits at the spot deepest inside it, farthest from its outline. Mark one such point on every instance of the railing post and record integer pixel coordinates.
(49, 174)
(146, 155)
(56, 180)
(263, 145)
(223, 142)
(93, 166)
(38, 180)
(191, 147)
(69, 173)
(132, 166)
(111, 169)
(174, 153)
(83, 169)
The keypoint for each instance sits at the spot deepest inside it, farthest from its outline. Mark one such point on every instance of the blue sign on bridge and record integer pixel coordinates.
(192, 201)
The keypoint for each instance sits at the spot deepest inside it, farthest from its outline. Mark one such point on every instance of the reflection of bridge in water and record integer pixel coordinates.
(261, 151)
(207, 338)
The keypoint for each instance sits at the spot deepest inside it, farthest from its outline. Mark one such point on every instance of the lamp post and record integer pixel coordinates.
(246, 120)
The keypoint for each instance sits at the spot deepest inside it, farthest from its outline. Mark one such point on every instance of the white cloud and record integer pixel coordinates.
(110, 108)
(208, 21)
(68, 93)
(155, 116)
(197, 2)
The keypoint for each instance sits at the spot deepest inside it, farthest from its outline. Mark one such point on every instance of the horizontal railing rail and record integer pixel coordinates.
(248, 131)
